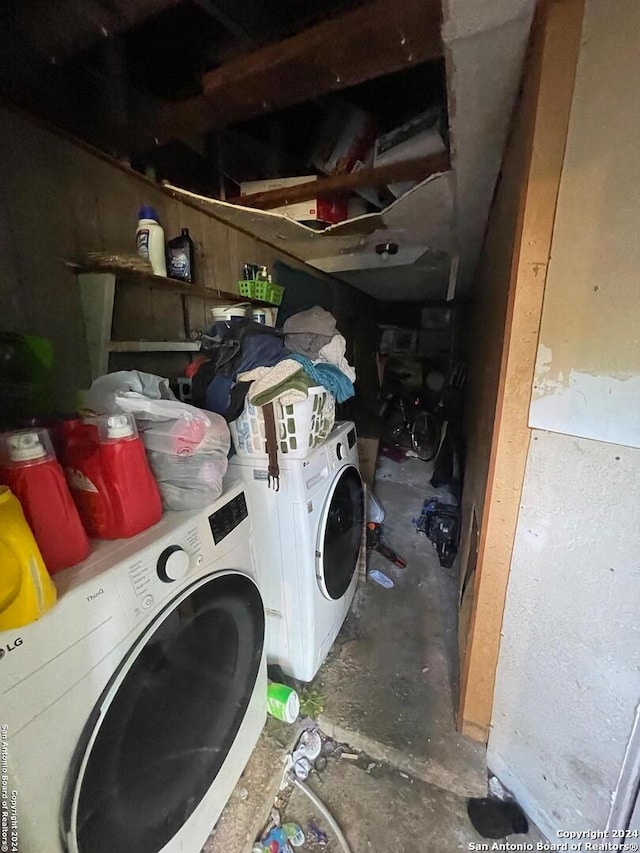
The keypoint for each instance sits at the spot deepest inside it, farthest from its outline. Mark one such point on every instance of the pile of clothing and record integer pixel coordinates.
(247, 360)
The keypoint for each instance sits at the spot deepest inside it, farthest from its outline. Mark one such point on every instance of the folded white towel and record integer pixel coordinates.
(334, 353)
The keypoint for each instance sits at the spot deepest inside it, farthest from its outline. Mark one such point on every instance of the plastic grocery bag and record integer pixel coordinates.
(375, 511)
(187, 447)
(100, 398)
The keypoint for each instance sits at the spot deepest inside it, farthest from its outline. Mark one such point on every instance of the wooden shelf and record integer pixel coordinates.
(147, 279)
(97, 294)
(154, 346)
(98, 287)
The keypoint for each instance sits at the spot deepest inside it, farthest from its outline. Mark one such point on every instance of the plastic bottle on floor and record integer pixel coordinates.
(109, 477)
(30, 469)
(26, 590)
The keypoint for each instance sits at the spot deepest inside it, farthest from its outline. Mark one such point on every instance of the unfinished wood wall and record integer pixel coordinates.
(506, 322)
(61, 200)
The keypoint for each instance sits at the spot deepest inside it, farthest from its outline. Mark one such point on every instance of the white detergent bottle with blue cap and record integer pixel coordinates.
(150, 240)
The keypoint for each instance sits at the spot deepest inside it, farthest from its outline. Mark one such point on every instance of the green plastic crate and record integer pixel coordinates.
(262, 290)
(274, 294)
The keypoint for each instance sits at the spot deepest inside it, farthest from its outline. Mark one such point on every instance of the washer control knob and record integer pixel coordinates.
(173, 564)
(339, 451)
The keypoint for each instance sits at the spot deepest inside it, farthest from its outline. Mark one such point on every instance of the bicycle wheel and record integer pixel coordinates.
(395, 432)
(426, 435)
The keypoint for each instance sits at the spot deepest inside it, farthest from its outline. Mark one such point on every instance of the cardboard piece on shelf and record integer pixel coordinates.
(417, 137)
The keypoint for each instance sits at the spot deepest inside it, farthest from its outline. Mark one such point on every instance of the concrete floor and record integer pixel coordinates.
(384, 811)
(389, 686)
(391, 679)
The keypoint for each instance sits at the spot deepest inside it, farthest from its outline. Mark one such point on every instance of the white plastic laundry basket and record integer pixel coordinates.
(299, 427)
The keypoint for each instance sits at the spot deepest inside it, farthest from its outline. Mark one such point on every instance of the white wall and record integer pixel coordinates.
(588, 371)
(568, 679)
(485, 43)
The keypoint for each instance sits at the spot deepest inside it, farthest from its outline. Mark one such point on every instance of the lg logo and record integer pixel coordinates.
(10, 647)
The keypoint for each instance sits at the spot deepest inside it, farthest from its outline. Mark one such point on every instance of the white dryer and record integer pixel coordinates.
(307, 540)
(130, 709)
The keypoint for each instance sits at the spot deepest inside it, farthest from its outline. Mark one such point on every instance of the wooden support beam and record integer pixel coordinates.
(410, 170)
(378, 38)
(508, 307)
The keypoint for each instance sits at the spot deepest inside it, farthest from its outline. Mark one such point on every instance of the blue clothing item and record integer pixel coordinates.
(333, 379)
(233, 348)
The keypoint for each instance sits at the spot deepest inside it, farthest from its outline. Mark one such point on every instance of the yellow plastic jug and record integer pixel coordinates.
(26, 589)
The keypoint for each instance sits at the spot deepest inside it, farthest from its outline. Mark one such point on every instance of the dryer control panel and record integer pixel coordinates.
(340, 445)
(150, 578)
(228, 517)
(157, 572)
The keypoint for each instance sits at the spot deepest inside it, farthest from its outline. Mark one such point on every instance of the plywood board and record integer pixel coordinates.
(516, 254)
(418, 221)
(368, 456)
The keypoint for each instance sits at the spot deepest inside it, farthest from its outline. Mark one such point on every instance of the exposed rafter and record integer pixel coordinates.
(378, 38)
(410, 170)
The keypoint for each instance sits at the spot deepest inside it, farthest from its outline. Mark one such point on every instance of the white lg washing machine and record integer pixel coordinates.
(307, 540)
(131, 708)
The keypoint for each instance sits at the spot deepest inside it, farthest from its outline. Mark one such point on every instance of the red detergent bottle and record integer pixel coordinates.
(30, 469)
(109, 477)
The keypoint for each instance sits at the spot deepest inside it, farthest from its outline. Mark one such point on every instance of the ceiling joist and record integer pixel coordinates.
(370, 41)
(409, 170)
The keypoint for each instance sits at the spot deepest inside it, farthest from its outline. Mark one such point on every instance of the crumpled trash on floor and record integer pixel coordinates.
(317, 835)
(275, 841)
(280, 839)
(306, 753)
(295, 834)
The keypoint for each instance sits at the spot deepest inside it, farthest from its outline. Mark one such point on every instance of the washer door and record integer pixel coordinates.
(163, 727)
(341, 533)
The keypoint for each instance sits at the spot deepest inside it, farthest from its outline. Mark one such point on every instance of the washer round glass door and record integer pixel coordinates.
(164, 725)
(341, 533)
